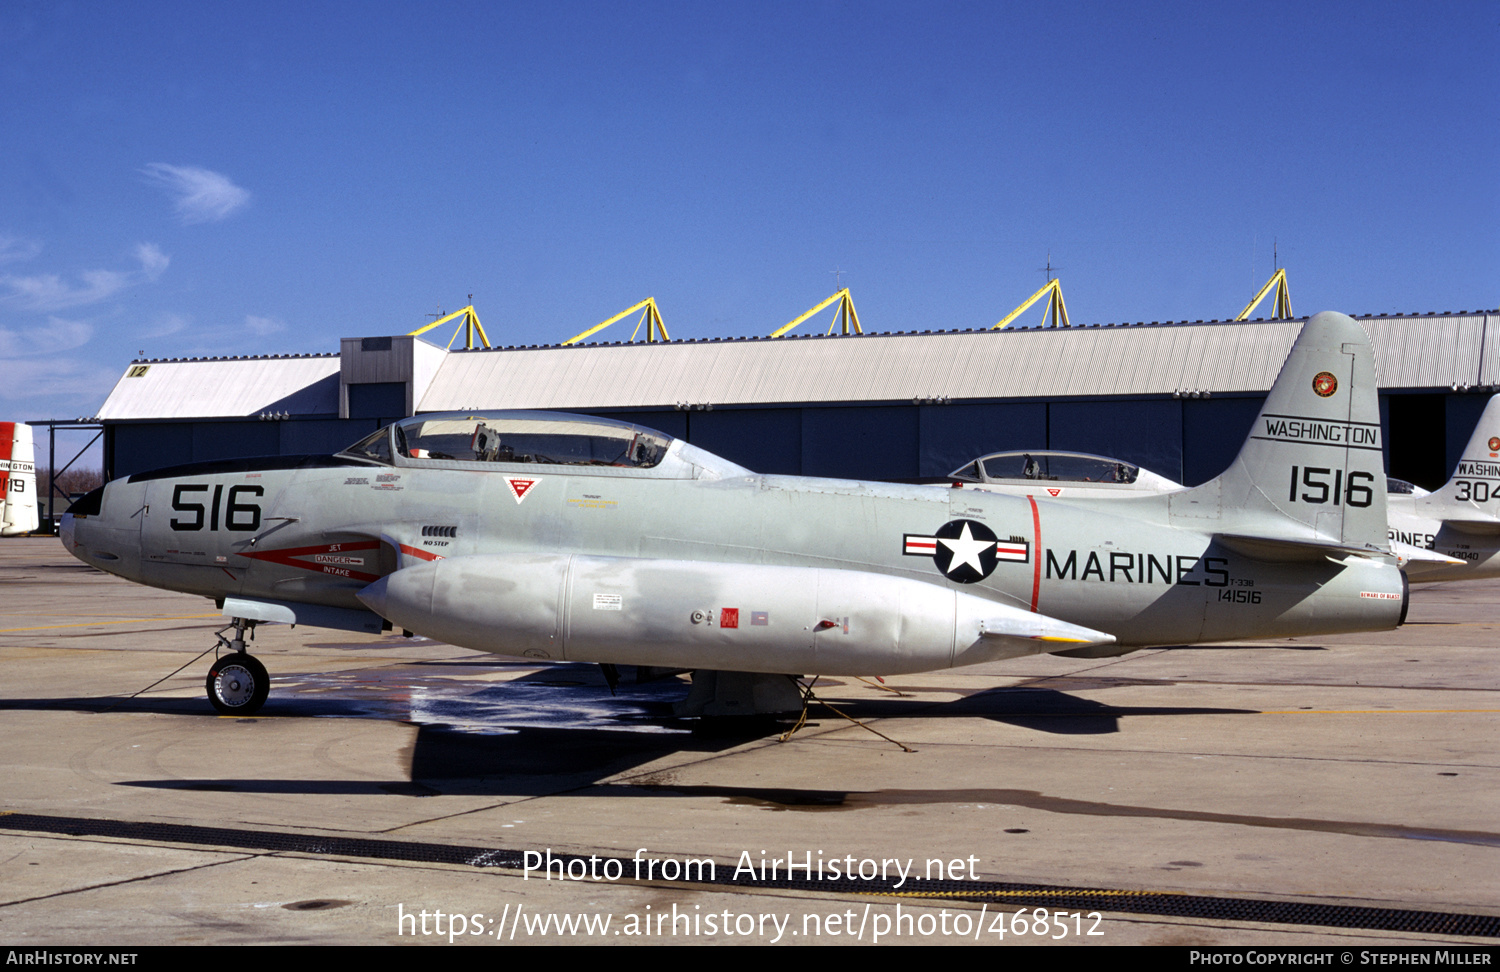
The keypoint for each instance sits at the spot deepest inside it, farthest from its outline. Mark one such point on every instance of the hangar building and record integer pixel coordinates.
(1176, 398)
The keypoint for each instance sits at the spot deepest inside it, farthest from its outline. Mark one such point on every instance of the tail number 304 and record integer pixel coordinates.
(238, 515)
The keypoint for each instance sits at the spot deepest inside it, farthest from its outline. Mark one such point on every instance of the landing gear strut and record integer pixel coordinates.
(237, 683)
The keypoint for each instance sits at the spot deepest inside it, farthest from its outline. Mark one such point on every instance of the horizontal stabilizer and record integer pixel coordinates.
(1476, 524)
(1290, 549)
(1406, 554)
(1458, 514)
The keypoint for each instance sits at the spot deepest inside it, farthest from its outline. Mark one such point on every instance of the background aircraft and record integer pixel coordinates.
(18, 512)
(562, 537)
(1459, 521)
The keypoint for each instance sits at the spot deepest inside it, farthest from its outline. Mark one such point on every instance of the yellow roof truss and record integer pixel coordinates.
(845, 317)
(1283, 298)
(468, 327)
(1056, 309)
(650, 317)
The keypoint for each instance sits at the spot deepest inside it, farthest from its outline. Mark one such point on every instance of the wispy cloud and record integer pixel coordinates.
(72, 384)
(199, 195)
(13, 249)
(58, 335)
(180, 335)
(263, 326)
(50, 291)
(164, 325)
(153, 260)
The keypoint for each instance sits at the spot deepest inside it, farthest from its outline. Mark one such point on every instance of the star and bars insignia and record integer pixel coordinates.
(966, 551)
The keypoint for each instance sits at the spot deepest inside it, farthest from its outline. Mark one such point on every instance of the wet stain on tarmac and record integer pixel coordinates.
(824, 800)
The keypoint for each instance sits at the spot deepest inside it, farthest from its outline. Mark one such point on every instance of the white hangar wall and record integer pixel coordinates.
(1176, 398)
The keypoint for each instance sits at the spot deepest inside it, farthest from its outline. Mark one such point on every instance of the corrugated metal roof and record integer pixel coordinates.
(1425, 352)
(967, 365)
(225, 387)
(1411, 352)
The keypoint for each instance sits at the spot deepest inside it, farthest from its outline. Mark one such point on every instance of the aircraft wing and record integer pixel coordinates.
(1477, 523)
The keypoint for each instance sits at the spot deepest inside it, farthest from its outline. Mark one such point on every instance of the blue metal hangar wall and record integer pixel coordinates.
(1176, 398)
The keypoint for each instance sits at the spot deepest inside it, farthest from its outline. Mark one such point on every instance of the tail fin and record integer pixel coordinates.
(1311, 471)
(1472, 497)
(17, 480)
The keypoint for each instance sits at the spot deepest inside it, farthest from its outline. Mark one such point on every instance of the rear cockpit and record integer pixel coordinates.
(1080, 474)
(493, 441)
(1068, 467)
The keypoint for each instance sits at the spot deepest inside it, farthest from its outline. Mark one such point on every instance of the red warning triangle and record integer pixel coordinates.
(520, 487)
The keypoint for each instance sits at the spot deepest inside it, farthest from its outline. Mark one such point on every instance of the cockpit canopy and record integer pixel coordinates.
(1400, 487)
(514, 437)
(1069, 467)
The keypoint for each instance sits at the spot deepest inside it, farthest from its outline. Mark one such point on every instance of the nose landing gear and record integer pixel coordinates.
(237, 683)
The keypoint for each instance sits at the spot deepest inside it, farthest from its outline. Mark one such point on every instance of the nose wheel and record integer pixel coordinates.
(237, 683)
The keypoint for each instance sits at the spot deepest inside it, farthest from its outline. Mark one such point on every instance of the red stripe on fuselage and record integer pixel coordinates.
(420, 554)
(1036, 567)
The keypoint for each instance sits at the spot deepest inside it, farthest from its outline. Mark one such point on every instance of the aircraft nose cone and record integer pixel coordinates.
(65, 532)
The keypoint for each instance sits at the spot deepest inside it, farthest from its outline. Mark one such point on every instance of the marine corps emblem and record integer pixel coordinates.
(1324, 384)
(1495, 443)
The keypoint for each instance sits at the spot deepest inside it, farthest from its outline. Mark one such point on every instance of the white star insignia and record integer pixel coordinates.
(966, 550)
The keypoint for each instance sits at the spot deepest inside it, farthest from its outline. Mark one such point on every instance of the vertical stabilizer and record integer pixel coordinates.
(1311, 468)
(1472, 495)
(18, 513)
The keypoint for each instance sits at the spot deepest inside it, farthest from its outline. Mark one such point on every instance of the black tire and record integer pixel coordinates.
(237, 684)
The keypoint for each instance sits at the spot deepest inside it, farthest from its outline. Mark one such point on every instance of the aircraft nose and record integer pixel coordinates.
(84, 527)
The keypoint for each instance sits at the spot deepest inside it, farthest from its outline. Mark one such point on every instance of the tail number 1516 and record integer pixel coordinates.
(1318, 489)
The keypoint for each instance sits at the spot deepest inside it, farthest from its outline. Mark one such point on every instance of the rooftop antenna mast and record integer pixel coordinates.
(468, 327)
(1057, 310)
(1283, 310)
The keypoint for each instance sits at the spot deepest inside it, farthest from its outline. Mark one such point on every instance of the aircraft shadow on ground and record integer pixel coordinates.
(557, 733)
(1055, 711)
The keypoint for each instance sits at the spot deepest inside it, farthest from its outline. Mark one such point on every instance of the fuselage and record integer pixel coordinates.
(321, 532)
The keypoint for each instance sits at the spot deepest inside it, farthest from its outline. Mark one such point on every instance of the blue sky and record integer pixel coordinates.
(195, 179)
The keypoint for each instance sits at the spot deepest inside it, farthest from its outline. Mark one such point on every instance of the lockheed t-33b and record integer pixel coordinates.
(568, 538)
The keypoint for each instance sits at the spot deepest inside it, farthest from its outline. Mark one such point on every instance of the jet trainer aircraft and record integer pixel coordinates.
(18, 513)
(1461, 521)
(561, 537)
